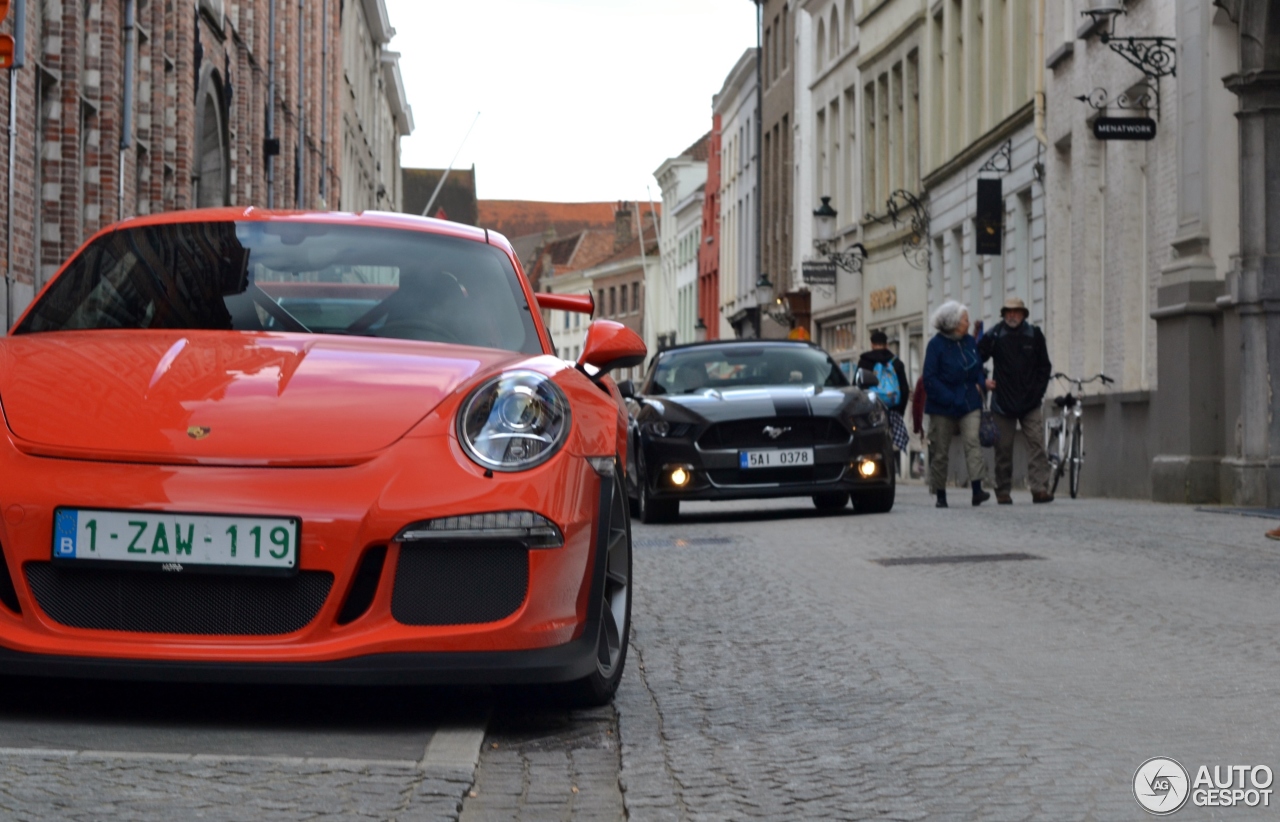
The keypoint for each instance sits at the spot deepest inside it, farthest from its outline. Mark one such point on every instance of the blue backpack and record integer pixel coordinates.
(888, 389)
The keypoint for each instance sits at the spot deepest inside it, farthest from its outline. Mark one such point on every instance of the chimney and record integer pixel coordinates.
(622, 226)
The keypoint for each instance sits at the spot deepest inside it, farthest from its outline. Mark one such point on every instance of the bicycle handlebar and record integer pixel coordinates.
(1080, 383)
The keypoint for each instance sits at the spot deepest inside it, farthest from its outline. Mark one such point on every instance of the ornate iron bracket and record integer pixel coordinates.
(1144, 96)
(849, 260)
(1001, 162)
(916, 246)
(1155, 57)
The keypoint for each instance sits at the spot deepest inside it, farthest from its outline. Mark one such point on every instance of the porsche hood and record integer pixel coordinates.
(224, 398)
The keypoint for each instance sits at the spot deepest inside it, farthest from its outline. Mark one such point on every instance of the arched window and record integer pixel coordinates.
(835, 32)
(850, 21)
(213, 160)
(820, 53)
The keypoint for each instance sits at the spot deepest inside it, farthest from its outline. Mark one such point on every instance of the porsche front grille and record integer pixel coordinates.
(459, 583)
(158, 603)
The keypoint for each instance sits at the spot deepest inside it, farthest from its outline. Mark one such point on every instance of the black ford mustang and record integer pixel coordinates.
(744, 419)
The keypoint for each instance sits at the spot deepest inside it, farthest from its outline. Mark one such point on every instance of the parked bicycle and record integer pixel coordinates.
(1064, 433)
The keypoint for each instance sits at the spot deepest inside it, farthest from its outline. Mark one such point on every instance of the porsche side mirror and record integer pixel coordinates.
(866, 379)
(627, 389)
(612, 345)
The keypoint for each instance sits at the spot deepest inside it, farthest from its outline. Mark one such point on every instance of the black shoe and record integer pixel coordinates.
(980, 497)
(941, 503)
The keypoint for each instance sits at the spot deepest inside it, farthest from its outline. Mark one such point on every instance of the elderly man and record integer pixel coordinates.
(1022, 372)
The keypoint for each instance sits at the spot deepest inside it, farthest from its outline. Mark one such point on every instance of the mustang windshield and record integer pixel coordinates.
(292, 277)
(693, 369)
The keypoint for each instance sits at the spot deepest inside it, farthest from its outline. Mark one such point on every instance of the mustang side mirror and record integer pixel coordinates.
(866, 379)
(612, 345)
(627, 389)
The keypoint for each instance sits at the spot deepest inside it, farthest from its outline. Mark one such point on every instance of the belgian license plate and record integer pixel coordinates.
(784, 458)
(175, 541)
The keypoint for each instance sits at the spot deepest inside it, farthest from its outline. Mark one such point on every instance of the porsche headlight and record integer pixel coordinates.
(514, 421)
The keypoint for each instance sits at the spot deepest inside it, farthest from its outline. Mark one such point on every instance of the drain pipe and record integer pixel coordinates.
(271, 148)
(1039, 72)
(126, 122)
(19, 60)
(300, 187)
(324, 103)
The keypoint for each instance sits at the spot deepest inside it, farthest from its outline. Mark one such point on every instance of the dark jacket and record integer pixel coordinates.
(952, 373)
(882, 356)
(1022, 367)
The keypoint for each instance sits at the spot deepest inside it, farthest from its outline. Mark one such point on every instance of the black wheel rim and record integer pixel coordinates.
(617, 587)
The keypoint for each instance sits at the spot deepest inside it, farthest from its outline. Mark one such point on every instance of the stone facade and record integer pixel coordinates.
(682, 181)
(196, 133)
(739, 217)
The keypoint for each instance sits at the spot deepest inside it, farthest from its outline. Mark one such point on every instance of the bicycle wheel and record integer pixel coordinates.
(1075, 459)
(1053, 449)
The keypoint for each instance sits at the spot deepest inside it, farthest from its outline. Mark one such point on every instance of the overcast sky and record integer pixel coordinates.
(579, 99)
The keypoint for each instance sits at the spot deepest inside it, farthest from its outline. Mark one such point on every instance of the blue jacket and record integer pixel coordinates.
(952, 373)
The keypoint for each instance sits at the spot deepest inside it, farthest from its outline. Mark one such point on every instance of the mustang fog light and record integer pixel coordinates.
(678, 476)
(514, 421)
(534, 530)
(867, 468)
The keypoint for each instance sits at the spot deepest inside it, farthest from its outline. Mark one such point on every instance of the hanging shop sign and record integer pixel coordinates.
(818, 272)
(988, 223)
(1124, 128)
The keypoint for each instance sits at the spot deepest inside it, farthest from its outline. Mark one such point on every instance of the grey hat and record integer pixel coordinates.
(1015, 304)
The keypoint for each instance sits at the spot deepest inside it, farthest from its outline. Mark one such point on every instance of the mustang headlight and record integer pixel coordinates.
(514, 421)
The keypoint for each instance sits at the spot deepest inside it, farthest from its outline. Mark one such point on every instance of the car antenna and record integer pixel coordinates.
(426, 212)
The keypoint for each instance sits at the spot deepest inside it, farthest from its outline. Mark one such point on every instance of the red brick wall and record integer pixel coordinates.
(709, 251)
(78, 59)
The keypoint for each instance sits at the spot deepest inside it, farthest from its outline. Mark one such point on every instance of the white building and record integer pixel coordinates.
(375, 110)
(739, 215)
(682, 181)
(829, 165)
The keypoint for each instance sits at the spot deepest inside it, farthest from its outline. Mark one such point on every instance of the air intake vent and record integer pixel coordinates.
(160, 603)
(365, 585)
(459, 583)
(7, 594)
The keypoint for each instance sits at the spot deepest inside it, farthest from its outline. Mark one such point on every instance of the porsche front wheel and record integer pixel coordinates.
(615, 609)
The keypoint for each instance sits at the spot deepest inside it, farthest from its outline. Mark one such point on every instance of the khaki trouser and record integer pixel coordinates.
(941, 431)
(1037, 459)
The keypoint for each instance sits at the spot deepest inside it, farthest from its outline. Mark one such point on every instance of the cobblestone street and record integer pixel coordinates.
(778, 671)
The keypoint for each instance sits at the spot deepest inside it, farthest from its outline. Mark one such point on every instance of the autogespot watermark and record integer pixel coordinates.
(1162, 786)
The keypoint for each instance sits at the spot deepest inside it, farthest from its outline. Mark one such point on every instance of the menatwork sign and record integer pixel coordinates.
(818, 272)
(1124, 128)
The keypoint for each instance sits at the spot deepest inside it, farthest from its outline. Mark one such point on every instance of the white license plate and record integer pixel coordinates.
(785, 458)
(176, 540)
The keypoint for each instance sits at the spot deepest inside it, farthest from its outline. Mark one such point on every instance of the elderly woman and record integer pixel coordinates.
(953, 381)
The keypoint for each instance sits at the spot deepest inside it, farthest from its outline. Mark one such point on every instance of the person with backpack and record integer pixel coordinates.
(1022, 373)
(892, 389)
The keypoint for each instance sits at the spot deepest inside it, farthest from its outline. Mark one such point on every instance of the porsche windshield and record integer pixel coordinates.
(292, 277)
(694, 369)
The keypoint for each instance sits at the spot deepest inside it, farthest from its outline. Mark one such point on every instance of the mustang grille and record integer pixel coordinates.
(804, 432)
(158, 603)
(459, 583)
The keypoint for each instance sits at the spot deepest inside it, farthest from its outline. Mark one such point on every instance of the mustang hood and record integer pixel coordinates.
(223, 397)
(772, 401)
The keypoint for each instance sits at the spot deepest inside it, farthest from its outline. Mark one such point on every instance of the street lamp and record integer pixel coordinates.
(772, 307)
(824, 239)
(764, 290)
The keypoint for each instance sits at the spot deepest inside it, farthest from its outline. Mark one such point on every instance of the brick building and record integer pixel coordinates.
(130, 107)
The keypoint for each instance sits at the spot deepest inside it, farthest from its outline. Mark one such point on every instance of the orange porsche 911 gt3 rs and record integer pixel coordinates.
(310, 447)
